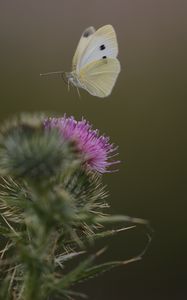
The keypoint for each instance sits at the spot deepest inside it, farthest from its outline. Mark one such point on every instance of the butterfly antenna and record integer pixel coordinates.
(55, 75)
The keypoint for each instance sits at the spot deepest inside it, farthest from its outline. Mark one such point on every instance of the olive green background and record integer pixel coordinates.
(145, 116)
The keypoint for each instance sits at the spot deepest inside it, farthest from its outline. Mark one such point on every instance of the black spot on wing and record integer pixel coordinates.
(104, 57)
(88, 32)
(102, 47)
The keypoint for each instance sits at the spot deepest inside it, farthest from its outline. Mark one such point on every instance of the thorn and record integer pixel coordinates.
(100, 252)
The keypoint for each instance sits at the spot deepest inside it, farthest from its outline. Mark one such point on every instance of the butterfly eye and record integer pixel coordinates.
(102, 47)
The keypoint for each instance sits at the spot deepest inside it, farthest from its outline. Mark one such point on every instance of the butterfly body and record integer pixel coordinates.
(95, 66)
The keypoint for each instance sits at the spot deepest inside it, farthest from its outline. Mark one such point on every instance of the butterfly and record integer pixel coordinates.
(95, 66)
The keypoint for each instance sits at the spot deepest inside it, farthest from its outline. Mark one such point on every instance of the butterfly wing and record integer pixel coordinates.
(99, 77)
(82, 45)
(101, 44)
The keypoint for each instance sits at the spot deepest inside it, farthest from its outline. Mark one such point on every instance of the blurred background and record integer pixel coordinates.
(145, 116)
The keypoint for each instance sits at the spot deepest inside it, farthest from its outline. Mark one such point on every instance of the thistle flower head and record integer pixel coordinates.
(96, 149)
(29, 151)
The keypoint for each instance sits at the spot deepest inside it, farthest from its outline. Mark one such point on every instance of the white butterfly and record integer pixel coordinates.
(95, 66)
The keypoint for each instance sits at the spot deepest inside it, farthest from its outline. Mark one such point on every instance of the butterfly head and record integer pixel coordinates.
(72, 78)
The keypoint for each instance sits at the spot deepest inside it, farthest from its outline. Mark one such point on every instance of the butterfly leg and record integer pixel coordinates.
(78, 92)
(68, 85)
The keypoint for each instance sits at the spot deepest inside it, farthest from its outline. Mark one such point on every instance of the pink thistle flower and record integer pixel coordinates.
(96, 149)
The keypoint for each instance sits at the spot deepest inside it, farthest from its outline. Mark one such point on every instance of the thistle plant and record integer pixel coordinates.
(53, 206)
